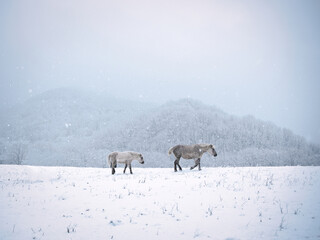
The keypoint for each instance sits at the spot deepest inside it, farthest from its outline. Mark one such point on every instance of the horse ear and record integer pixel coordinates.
(211, 145)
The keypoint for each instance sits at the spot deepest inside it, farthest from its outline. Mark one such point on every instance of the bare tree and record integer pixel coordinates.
(18, 153)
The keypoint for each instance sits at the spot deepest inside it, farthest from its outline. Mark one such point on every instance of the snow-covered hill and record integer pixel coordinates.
(68, 127)
(216, 203)
(240, 141)
(59, 127)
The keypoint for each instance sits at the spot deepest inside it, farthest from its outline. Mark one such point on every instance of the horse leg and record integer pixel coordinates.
(130, 168)
(125, 167)
(199, 165)
(196, 163)
(113, 165)
(176, 163)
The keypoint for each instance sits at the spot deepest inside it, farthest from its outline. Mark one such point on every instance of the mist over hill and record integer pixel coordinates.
(80, 128)
(239, 141)
(58, 127)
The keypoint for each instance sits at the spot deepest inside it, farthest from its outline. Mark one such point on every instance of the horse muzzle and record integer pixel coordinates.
(142, 162)
(215, 155)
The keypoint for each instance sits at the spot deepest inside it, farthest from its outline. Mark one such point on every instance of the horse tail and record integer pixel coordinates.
(171, 150)
(109, 160)
(112, 160)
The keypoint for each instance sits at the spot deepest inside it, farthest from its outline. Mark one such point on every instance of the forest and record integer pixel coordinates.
(69, 127)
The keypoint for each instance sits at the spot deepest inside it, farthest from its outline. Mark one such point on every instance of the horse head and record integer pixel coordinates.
(141, 159)
(212, 151)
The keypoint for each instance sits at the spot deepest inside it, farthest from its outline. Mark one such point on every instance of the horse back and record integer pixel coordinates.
(190, 151)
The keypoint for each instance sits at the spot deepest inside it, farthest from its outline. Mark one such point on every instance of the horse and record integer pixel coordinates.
(123, 157)
(191, 152)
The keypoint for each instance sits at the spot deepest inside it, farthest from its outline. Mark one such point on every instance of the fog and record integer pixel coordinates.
(250, 57)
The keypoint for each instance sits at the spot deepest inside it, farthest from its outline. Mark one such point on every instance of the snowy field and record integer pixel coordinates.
(215, 203)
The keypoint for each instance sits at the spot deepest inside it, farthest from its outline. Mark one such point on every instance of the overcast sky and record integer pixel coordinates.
(246, 57)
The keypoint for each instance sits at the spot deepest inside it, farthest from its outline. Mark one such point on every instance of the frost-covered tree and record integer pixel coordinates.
(17, 153)
(240, 141)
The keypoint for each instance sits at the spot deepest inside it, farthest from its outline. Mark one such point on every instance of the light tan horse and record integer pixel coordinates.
(125, 158)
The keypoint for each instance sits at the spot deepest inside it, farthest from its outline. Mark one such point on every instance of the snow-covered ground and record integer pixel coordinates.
(215, 203)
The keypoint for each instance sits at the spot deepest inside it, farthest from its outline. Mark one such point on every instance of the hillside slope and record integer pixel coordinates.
(79, 128)
(58, 127)
(239, 141)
